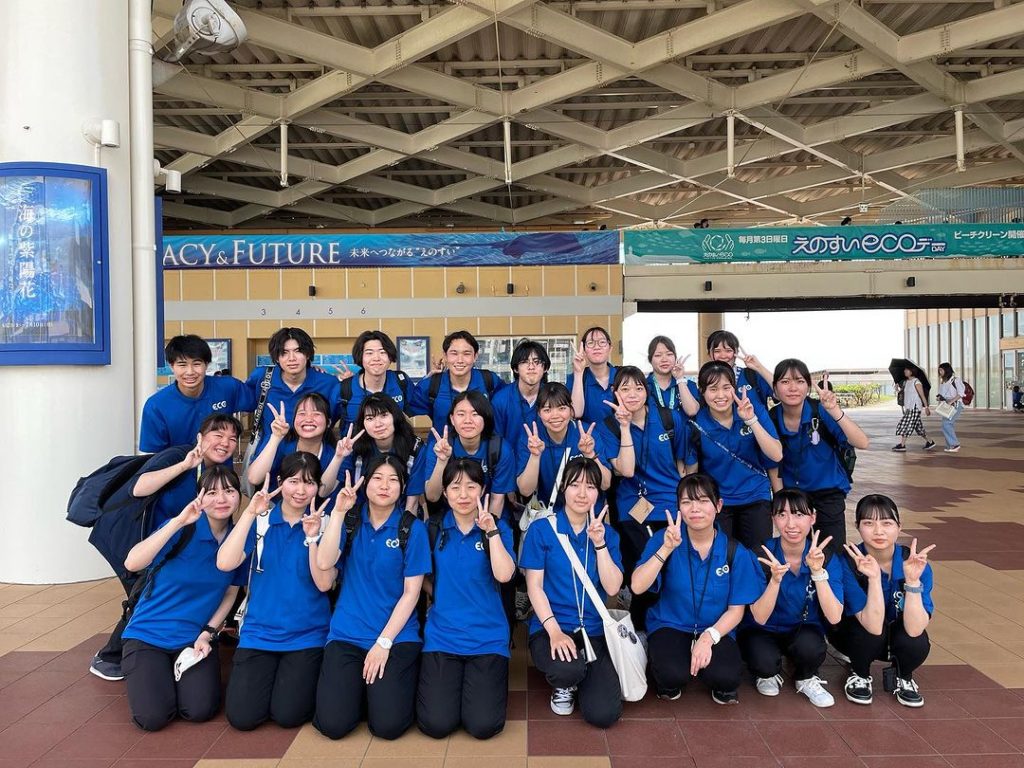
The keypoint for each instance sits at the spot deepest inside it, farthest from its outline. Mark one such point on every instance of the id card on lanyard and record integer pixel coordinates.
(643, 507)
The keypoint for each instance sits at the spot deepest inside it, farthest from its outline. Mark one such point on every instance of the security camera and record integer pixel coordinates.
(863, 207)
(102, 133)
(206, 27)
(172, 181)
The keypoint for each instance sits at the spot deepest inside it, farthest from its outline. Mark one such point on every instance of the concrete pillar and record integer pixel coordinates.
(64, 62)
(707, 323)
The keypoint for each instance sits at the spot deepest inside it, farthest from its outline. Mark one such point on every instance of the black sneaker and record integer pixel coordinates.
(670, 695)
(858, 689)
(929, 445)
(899, 447)
(907, 694)
(107, 670)
(725, 697)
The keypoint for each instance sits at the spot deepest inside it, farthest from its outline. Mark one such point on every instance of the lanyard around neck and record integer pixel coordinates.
(707, 577)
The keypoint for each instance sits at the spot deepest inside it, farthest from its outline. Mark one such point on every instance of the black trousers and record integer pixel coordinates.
(830, 509)
(633, 538)
(596, 683)
(750, 524)
(113, 649)
(906, 652)
(272, 685)
(763, 650)
(668, 651)
(471, 691)
(342, 696)
(154, 698)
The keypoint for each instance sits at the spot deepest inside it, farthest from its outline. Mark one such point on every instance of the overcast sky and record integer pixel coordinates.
(823, 340)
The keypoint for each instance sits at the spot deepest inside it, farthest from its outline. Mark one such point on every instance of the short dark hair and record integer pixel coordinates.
(466, 336)
(219, 421)
(669, 345)
(385, 341)
(719, 338)
(392, 461)
(595, 329)
(375, 404)
(713, 372)
(629, 373)
(189, 347)
(522, 353)
(481, 405)
(279, 339)
(554, 394)
(791, 364)
(578, 467)
(694, 486)
(472, 469)
(303, 464)
(218, 475)
(877, 506)
(321, 404)
(799, 502)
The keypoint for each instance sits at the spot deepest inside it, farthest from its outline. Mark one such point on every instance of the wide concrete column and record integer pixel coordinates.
(707, 323)
(64, 62)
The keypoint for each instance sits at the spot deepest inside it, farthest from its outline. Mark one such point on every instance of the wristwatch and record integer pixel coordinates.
(214, 634)
(492, 534)
(384, 642)
(914, 590)
(714, 634)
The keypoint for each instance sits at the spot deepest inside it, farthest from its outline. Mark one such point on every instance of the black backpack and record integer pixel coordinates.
(845, 452)
(435, 386)
(354, 520)
(346, 392)
(93, 492)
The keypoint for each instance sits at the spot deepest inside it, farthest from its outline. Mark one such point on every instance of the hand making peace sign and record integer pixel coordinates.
(347, 495)
(828, 398)
(279, 426)
(674, 531)
(744, 408)
(192, 510)
(595, 528)
(579, 361)
(815, 557)
(777, 569)
(587, 444)
(484, 519)
(622, 414)
(534, 444)
(865, 564)
(442, 448)
(260, 503)
(312, 523)
(347, 444)
(915, 563)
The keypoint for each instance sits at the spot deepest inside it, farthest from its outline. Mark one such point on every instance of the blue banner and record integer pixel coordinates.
(706, 246)
(406, 250)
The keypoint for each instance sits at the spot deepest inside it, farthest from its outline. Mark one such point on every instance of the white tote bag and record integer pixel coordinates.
(945, 410)
(629, 656)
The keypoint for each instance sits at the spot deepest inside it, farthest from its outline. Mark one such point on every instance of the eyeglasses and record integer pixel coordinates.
(597, 344)
(532, 362)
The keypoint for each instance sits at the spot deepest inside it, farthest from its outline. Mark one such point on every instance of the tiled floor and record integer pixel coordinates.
(53, 713)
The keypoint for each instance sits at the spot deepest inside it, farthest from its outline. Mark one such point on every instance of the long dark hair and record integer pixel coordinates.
(404, 440)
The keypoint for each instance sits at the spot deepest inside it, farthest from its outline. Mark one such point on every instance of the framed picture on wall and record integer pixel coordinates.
(414, 356)
(54, 286)
(221, 350)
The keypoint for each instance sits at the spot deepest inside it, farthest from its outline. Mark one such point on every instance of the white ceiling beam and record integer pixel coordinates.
(989, 27)
(197, 214)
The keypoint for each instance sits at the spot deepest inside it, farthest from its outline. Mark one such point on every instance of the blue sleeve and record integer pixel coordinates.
(763, 387)
(250, 539)
(505, 533)
(609, 443)
(429, 462)
(417, 476)
(500, 409)
(692, 386)
(569, 381)
(746, 581)
(240, 576)
(417, 559)
(419, 398)
(769, 426)
(522, 455)
(504, 479)
(834, 568)
(833, 427)
(241, 396)
(681, 448)
(153, 433)
(611, 538)
(854, 598)
(498, 383)
(535, 546)
(653, 545)
(927, 579)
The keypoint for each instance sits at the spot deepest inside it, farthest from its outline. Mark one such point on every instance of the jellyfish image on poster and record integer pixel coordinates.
(46, 269)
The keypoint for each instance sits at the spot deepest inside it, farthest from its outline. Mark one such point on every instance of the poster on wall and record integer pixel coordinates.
(414, 356)
(53, 265)
(467, 249)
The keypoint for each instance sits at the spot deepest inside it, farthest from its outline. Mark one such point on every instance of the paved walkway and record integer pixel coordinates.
(53, 713)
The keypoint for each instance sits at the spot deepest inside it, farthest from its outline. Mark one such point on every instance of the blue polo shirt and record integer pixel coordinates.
(288, 447)
(692, 603)
(655, 476)
(350, 410)
(542, 552)
(186, 592)
(466, 617)
(170, 418)
(667, 398)
(551, 459)
(892, 588)
(757, 389)
(315, 381)
(737, 482)
(174, 496)
(805, 465)
(594, 394)
(355, 468)
(286, 611)
(797, 593)
(500, 479)
(511, 412)
(442, 406)
(373, 579)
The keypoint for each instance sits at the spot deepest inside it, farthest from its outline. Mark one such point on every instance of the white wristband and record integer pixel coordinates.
(751, 422)
(313, 539)
(820, 576)
(714, 634)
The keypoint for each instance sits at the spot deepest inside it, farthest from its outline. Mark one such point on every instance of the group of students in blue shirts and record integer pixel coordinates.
(381, 570)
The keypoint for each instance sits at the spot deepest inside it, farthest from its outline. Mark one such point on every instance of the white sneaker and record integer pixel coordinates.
(563, 701)
(769, 686)
(812, 689)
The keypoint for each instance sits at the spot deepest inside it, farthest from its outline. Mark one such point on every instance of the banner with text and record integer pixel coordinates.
(405, 250)
(706, 246)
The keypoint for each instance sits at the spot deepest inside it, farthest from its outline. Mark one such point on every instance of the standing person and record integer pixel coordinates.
(753, 379)
(649, 448)
(592, 375)
(281, 643)
(516, 405)
(565, 624)
(184, 602)
(434, 394)
(803, 593)
(171, 477)
(666, 380)
(813, 433)
(374, 352)
(736, 444)
(371, 661)
(690, 629)
(172, 415)
(464, 668)
(887, 605)
(951, 390)
(914, 401)
(291, 378)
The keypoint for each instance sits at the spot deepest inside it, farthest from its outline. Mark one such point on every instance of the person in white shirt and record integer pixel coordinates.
(914, 400)
(951, 390)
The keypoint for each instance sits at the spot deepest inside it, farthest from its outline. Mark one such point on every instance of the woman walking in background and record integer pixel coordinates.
(914, 400)
(951, 391)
